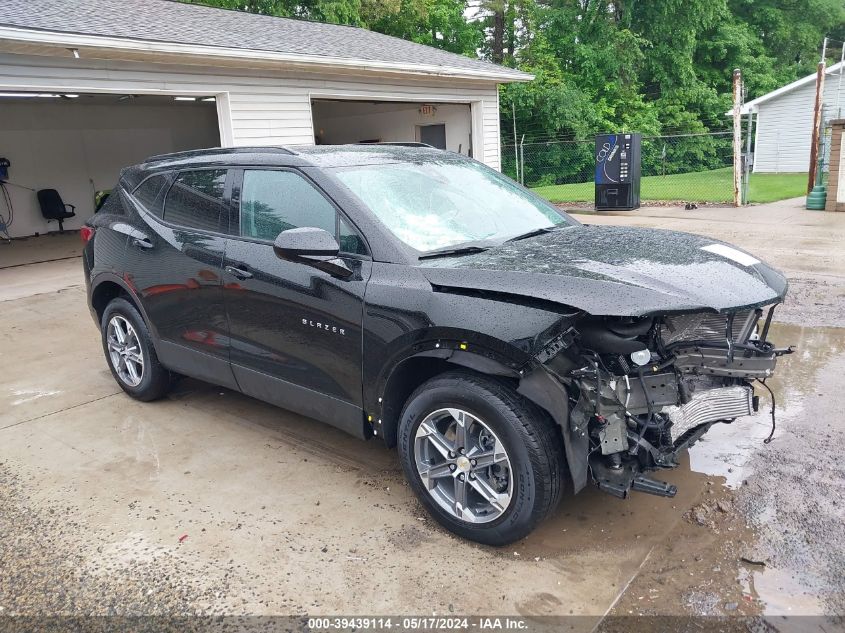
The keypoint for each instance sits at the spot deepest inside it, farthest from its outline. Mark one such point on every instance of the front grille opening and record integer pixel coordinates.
(709, 327)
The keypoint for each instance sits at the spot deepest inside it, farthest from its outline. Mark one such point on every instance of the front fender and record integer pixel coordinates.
(414, 331)
(415, 364)
(548, 393)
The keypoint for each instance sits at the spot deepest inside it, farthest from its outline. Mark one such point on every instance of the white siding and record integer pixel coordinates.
(262, 107)
(784, 126)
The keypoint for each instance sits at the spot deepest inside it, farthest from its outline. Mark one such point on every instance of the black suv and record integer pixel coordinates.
(424, 298)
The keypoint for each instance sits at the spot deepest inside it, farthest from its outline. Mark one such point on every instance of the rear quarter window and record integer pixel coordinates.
(150, 194)
(195, 200)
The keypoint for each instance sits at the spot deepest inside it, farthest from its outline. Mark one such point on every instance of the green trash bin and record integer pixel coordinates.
(817, 198)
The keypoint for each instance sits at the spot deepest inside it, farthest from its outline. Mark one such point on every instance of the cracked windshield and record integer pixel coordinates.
(430, 206)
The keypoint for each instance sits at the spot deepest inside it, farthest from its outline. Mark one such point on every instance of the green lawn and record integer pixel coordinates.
(703, 186)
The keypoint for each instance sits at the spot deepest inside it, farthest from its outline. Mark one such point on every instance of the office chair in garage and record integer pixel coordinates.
(53, 208)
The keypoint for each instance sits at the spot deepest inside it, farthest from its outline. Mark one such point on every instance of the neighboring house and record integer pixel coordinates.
(785, 121)
(88, 86)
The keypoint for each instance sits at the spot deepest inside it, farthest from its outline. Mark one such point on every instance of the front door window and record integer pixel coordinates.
(276, 201)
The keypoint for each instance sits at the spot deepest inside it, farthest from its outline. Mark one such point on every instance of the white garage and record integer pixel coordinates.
(84, 92)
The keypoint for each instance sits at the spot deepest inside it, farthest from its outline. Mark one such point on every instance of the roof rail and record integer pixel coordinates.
(401, 144)
(218, 150)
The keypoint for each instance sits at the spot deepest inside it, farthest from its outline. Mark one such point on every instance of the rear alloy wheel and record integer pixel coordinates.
(130, 353)
(125, 353)
(483, 460)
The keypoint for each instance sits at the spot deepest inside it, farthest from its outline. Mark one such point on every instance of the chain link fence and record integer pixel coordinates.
(823, 169)
(680, 168)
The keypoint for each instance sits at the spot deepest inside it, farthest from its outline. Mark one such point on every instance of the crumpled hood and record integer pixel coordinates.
(616, 271)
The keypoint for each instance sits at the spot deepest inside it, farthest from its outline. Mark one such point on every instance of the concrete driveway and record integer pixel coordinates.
(212, 502)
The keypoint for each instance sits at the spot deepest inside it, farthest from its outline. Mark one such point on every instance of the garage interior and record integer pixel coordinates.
(441, 125)
(77, 144)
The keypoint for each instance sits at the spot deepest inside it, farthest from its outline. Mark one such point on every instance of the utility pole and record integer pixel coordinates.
(737, 84)
(839, 87)
(817, 120)
(747, 170)
(515, 148)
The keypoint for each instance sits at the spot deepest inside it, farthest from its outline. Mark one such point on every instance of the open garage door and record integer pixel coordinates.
(442, 125)
(78, 143)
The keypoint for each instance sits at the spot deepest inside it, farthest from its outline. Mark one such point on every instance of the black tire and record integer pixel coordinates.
(529, 436)
(155, 379)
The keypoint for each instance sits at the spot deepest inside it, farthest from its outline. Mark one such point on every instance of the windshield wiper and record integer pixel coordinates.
(534, 233)
(461, 249)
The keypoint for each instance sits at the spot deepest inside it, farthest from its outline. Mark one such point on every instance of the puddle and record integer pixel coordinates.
(727, 449)
(795, 482)
(783, 593)
(595, 521)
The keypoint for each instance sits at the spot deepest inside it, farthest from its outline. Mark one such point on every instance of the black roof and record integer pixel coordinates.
(371, 154)
(194, 24)
(301, 155)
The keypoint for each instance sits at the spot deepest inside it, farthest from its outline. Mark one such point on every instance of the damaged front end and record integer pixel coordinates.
(643, 389)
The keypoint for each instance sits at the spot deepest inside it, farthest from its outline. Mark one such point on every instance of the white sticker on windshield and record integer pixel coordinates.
(731, 253)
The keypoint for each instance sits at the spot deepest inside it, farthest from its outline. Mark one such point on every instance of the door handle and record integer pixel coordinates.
(142, 242)
(240, 273)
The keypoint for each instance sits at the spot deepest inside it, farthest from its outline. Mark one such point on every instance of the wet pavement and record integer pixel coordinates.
(794, 493)
(215, 503)
(279, 514)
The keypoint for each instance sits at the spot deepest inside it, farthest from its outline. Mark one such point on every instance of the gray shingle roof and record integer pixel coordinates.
(175, 22)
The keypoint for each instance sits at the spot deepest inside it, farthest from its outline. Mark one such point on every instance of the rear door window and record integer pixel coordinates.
(196, 200)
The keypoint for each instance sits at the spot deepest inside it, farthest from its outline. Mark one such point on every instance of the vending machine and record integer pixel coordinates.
(618, 171)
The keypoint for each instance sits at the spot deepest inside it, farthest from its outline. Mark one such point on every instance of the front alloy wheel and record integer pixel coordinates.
(482, 459)
(463, 465)
(125, 352)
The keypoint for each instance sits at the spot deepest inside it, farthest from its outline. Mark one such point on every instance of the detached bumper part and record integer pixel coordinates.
(642, 483)
(619, 482)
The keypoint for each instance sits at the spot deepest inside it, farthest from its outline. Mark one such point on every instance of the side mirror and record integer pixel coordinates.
(305, 242)
(312, 247)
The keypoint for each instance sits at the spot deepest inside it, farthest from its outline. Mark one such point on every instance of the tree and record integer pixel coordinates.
(791, 31)
(439, 23)
(656, 67)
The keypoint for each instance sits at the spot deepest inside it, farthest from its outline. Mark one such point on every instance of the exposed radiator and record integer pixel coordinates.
(705, 326)
(710, 405)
